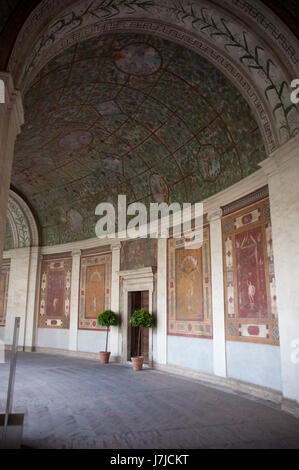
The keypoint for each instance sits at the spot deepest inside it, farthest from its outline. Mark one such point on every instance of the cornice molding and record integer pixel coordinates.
(281, 158)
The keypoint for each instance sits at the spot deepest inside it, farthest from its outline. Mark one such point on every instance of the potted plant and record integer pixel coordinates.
(143, 319)
(107, 319)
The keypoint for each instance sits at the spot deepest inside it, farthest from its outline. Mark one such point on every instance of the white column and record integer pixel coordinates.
(114, 330)
(33, 288)
(219, 347)
(11, 118)
(161, 327)
(74, 310)
(17, 293)
(282, 170)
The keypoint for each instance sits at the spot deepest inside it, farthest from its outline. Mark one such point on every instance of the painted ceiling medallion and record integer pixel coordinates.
(75, 140)
(138, 59)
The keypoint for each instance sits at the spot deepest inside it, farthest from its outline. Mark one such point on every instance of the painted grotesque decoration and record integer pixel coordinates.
(95, 289)
(128, 114)
(4, 282)
(139, 253)
(55, 293)
(189, 288)
(250, 293)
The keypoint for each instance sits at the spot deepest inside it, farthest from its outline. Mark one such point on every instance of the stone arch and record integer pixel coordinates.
(21, 228)
(248, 43)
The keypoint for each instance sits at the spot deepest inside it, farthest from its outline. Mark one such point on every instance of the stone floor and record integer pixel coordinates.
(79, 403)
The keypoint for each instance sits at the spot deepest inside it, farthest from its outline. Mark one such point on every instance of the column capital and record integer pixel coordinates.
(115, 245)
(76, 252)
(13, 101)
(214, 214)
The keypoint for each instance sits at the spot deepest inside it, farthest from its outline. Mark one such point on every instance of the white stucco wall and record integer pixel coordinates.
(17, 293)
(192, 353)
(2, 333)
(282, 170)
(255, 363)
(52, 338)
(91, 341)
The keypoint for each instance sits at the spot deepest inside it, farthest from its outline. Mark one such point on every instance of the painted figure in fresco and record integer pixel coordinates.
(95, 290)
(189, 267)
(55, 301)
(251, 293)
(210, 163)
(75, 220)
(159, 188)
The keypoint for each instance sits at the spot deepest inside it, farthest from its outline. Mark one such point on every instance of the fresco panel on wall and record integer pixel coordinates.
(189, 288)
(249, 279)
(55, 293)
(95, 289)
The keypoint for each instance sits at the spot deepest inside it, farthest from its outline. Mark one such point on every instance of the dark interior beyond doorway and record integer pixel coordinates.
(137, 300)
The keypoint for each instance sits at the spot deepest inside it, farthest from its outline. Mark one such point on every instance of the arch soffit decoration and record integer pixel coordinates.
(248, 43)
(22, 223)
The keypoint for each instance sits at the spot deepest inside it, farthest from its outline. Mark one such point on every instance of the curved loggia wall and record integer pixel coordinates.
(202, 343)
(254, 363)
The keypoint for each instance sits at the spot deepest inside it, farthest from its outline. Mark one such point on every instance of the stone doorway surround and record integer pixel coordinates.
(141, 279)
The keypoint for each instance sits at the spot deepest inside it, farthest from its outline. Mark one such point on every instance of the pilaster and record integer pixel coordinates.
(219, 346)
(114, 346)
(11, 119)
(74, 310)
(161, 327)
(282, 171)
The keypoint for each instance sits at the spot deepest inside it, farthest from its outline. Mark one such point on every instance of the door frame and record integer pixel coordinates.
(136, 280)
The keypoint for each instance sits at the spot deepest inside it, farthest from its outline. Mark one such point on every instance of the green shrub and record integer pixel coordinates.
(107, 318)
(143, 319)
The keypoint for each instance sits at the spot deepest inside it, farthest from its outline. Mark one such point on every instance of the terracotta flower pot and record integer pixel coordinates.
(137, 362)
(104, 357)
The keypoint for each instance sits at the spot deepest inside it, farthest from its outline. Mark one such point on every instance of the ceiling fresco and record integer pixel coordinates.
(134, 115)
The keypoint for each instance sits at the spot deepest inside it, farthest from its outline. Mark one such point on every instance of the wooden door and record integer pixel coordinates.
(139, 300)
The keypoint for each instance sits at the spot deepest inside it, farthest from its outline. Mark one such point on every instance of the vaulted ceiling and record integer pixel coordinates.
(134, 115)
